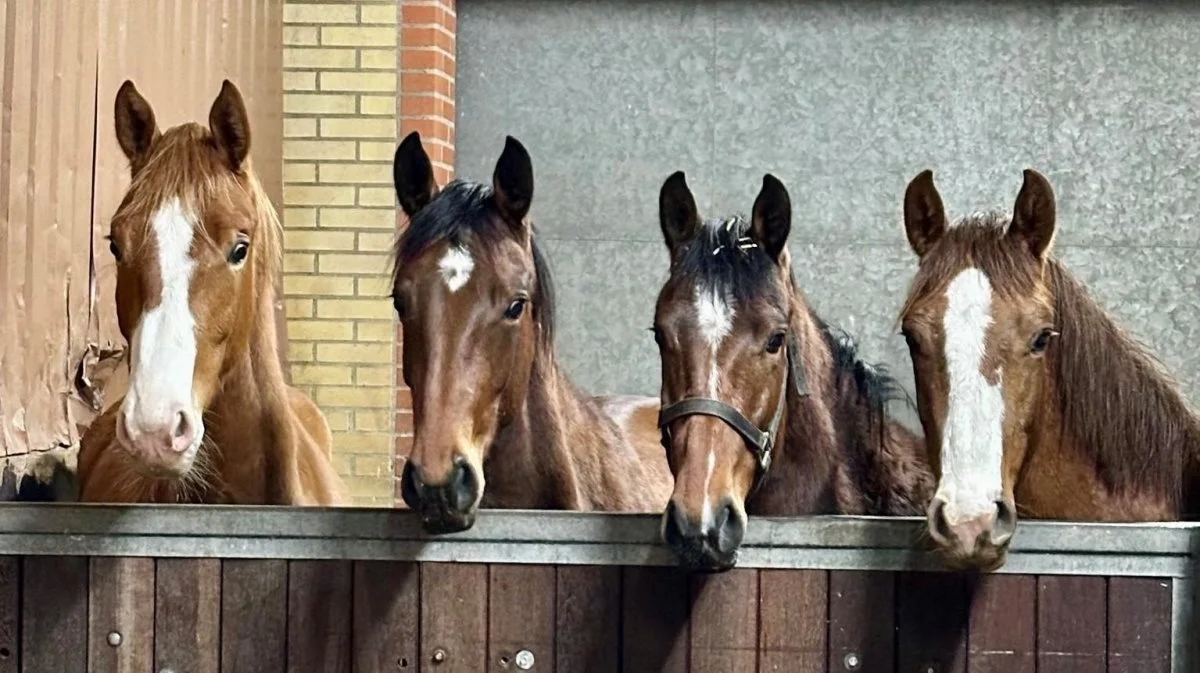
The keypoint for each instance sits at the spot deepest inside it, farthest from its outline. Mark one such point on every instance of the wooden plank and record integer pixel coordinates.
(319, 616)
(10, 607)
(862, 620)
(589, 619)
(254, 616)
(121, 615)
(1003, 638)
(654, 634)
(54, 614)
(931, 622)
(793, 612)
(10, 613)
(187, 614)
(454, 612)
(724, 622)
(1071, 624)
(387, 608)
(521, 617)
(1139, 625)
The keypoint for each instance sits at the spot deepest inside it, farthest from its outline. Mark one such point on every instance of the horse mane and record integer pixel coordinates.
(465, 214)
(1118, 405)
(184, 165)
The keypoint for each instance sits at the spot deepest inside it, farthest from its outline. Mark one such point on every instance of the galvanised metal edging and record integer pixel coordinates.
(825, 542)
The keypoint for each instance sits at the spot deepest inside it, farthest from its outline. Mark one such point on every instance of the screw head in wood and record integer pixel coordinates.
(524, 660)
(851, 661)
(439, 655)
(114, 638)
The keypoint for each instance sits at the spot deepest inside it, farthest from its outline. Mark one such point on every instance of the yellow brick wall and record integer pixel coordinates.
(340, 91)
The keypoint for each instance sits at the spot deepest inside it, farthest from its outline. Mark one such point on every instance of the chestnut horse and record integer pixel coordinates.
(208, 417)
(497, 423)
(767, 410)
(1033, 400)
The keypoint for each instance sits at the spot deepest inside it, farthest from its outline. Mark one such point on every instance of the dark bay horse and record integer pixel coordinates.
(208, 417)
(1033, 400)
(497, 423)
(746, 366)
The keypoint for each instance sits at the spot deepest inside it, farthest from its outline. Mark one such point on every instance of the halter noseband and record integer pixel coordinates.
(759, 442)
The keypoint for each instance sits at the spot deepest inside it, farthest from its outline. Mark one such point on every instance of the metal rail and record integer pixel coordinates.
(511, 536)
(1169, 550)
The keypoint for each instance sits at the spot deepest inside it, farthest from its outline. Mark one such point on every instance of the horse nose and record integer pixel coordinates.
(711, 543)
(972, 536)
(445, 507)
(160, 440)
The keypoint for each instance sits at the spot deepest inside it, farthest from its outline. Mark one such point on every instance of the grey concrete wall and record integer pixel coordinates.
(844, 105)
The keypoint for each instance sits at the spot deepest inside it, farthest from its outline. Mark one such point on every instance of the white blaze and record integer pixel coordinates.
(163, 345)
(714, 315)
(456, 267)
(973, 436)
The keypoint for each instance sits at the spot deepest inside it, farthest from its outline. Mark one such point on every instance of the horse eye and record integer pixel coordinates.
(116, 252)
(1041, 340)
(238, 254)
(775, 342)
(515, 309)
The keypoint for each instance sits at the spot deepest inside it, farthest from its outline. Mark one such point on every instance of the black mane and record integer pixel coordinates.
(464, 214)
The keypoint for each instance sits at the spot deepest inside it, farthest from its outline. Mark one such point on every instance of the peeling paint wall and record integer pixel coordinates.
(62, 176)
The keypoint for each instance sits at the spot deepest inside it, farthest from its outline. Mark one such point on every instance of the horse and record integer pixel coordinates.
(497, 422)
(766, 408)
(208, 416)
(1033, 400)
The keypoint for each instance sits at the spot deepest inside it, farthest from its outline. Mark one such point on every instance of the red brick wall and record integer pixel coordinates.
(426, 102)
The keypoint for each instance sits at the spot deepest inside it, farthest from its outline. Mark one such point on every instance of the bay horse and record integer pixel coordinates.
(766, 409)
(208, 417)
(497, 422)
(1033, 400)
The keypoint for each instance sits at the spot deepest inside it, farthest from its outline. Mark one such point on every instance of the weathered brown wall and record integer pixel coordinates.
(62, 174)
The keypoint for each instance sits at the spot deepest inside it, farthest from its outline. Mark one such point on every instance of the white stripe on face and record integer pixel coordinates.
(456, 267)
(973, 436)
(163, 348)
(714, 316)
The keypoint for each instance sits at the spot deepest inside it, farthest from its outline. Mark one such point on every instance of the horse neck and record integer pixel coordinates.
(1110, 414)
(530, 464)
(250, 411)
(804, 468)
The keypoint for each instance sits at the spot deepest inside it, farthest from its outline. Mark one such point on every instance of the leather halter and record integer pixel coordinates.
(759, 442)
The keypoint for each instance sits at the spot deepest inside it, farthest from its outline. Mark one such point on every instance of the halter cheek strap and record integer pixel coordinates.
(759, 442)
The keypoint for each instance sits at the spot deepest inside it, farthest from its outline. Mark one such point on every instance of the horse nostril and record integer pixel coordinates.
(939, 527)
(673, 525)
(411, 486)
(181, 425)
(463, 485)
(1006, 522)
(729, 530)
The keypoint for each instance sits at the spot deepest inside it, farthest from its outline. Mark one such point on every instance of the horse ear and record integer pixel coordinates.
(771, 219)
(136, 128)
(230, 125)
(677, 213)
(412, 175)
(924, 214)
(1034, 214)
(512, 182)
